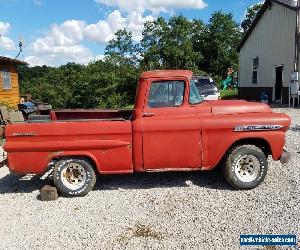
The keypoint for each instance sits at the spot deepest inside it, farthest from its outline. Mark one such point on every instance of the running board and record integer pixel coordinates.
(172, 169)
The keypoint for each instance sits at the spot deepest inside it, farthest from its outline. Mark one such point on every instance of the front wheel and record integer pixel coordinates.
(74, 177)
(245, 167)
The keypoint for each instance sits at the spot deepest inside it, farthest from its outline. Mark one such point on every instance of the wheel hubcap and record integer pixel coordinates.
(247, 168)
(73, 176)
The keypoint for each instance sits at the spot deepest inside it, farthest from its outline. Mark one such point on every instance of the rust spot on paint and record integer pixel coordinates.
(50, 156)
(129, 147)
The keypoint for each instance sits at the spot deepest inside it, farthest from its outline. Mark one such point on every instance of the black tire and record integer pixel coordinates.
(74, 177)
(241, 174)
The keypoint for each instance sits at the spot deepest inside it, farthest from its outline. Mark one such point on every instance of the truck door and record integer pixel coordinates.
(171, 127)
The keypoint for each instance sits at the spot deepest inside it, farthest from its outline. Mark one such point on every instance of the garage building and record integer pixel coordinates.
(267, 52)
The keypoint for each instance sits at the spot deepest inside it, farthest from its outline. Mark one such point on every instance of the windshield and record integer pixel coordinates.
(195, 97)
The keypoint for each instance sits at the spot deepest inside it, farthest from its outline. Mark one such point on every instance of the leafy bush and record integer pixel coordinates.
(229, 94)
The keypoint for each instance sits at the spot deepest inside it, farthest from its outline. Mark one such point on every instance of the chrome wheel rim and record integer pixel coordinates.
(247, 168)
(73, 176)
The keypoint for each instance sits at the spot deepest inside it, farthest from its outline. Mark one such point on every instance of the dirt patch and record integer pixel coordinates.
(139, 231)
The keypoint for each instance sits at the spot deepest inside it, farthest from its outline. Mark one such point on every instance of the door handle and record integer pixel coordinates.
(147, 114)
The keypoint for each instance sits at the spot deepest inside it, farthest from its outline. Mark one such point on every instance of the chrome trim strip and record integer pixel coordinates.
(23, 134)
(256, 128)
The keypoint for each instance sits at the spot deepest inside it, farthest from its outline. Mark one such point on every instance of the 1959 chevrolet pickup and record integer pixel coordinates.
(171, 128)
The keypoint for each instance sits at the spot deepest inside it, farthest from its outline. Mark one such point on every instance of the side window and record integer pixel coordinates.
(6, 79)
(195, 97)
(166, 94)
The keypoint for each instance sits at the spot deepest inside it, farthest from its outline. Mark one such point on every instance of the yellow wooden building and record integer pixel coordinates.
(9, 82)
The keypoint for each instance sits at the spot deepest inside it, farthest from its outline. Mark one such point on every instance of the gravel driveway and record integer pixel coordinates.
(154, 211)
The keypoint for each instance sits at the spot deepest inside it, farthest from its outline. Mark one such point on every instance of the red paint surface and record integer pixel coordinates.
(185, 137)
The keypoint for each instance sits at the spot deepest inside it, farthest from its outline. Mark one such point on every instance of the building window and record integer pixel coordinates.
(6, 79)
(255, 65)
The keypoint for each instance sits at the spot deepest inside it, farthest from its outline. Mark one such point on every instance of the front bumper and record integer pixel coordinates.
(285, 157)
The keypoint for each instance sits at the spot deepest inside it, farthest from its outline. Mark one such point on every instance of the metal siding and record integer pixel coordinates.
(273, 41)
(10, 96)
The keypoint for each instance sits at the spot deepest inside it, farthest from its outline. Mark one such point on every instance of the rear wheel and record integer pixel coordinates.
(245, 167)
(74, 177)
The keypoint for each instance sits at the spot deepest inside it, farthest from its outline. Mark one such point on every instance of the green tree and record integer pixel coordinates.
(169, 44)
(222, 39)
(122, 48)
(250, 15)
(123, 58)
(151, 44)
(200, 44)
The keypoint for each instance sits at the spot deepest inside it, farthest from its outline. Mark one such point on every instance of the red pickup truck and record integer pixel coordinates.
(171, 128)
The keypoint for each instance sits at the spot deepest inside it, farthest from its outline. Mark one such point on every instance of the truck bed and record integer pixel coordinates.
(31, 146)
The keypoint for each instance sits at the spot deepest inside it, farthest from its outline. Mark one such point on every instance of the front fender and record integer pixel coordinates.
(218, 144)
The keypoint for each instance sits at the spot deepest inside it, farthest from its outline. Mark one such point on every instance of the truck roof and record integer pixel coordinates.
(167, 73)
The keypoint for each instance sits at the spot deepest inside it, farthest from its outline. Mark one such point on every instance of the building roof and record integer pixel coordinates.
(286, 3)
(11, 60)
(167, 73)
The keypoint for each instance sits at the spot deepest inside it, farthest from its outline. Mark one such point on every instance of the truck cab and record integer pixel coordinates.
(168, 112)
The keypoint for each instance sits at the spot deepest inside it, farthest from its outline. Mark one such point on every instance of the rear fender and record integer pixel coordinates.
(108, 161)
(33, 158)
(55, 156)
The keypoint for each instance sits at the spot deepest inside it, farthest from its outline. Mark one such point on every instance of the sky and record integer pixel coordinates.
(55, 32)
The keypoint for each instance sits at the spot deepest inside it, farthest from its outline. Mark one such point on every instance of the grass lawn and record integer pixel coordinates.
(229, 94)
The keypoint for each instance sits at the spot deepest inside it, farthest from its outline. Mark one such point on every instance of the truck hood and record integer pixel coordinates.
(231, 107)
